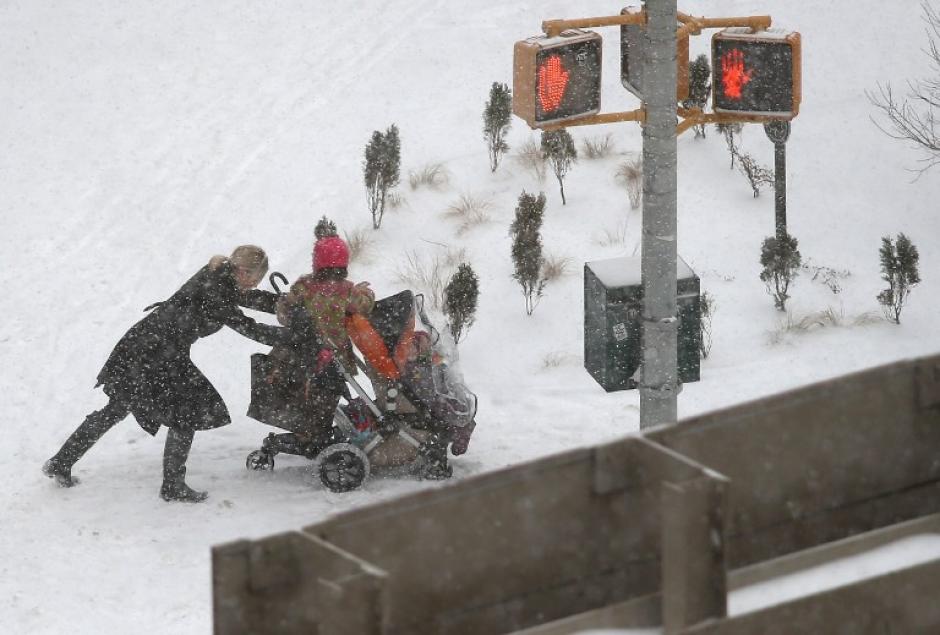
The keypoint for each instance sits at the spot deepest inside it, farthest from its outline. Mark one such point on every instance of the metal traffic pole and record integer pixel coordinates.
(659, 385)
(778, 132)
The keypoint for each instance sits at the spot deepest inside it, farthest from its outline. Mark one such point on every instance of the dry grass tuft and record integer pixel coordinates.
(612, 237)
(630, 176)
(433, 176)
(557, 359)
(430, 274)
(395, 201)
(470, 211)
(529, 156)
(358, 242)
(597, 147)
(828, 318)
(554, 267)
(867, 318)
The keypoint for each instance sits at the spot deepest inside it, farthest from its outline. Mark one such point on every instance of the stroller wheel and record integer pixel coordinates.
(259, 460)
(342, 467)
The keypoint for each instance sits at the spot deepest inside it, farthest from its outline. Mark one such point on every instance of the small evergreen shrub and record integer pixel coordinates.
(700, 88)
(325, 227)
(460, 300)
(527, 256)
(559, 151)
(497, 118)
(899, 268)
(780, 263)
(381, 170)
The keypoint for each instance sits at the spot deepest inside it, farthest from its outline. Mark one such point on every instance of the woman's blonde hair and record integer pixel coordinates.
(251, 258)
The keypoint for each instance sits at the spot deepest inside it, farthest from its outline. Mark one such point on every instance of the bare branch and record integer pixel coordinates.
(905, 122)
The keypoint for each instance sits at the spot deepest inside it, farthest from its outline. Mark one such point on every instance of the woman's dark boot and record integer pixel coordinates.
(92, 429)
(175, 453)
(60, 472)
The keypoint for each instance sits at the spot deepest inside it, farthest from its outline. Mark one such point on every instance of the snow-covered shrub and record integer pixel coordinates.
(708, 307)
(559, 151)
(599, 147)
(899, 260)
(529, 156)
(325, 227)
(497, 118)
(780, 263)
(470, 211)
(381, 170)
(433, 176)
(630, 175)
(700, 88)
(527, 256)
(757, 175)
(460, 300)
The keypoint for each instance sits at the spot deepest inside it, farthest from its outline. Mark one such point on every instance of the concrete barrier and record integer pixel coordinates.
(823, 462)
(648, 523)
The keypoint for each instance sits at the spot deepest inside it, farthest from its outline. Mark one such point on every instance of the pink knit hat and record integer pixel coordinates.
(330, 252)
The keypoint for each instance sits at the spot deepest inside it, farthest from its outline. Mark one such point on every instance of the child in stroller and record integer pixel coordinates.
(421, 407)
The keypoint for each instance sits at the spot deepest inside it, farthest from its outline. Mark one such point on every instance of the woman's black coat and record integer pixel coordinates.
(150, 369)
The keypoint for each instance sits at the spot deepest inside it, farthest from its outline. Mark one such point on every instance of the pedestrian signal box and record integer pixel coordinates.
(633, 49)
(756, 73)
(557, 79)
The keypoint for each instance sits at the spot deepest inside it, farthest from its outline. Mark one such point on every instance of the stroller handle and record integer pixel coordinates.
(274, 277)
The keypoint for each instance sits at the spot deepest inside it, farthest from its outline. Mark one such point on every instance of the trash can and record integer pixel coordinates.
(613, 309)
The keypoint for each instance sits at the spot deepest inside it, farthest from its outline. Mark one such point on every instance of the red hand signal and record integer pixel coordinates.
(553, 79)
(733, 74)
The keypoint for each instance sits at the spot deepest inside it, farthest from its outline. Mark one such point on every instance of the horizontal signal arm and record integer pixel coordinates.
(694, 117)
(551, 28)
(609, 117)
(693, 25)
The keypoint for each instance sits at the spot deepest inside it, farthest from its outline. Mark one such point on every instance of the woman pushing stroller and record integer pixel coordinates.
(150, 373)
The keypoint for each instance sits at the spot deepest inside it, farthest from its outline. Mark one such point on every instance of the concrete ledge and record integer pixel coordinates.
(830, 551)
(636, 613)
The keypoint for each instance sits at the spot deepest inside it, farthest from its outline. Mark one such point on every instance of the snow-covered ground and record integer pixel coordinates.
(137, 139)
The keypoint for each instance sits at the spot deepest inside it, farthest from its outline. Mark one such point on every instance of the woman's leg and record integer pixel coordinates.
(85, 436)
(175, 454)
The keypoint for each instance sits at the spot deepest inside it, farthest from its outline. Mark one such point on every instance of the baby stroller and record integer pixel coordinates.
(420, 409)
